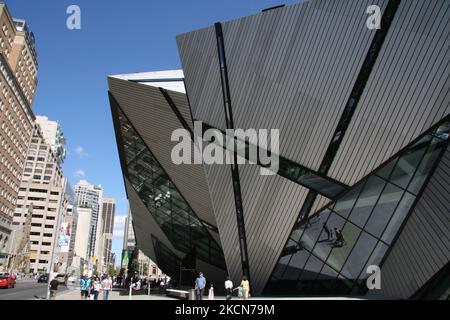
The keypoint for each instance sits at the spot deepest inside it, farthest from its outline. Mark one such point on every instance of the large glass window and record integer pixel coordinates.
(331, 251)
(366, 201)
(163, 200)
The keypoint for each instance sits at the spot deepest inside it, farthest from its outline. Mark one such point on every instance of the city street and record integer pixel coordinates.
(26, 289)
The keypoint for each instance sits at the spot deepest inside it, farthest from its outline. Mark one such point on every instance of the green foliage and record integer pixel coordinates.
(112, 271)
(133, 265)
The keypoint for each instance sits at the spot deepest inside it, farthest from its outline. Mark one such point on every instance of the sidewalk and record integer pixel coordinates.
(74, 294)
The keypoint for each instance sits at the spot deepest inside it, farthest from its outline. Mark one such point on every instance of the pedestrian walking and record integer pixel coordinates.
(245, 284)
(85, 285)
(200, 284)
(161, 286)
(97, 287)
(211, 292)
(107, 287)
(53, 288)
(229, 288)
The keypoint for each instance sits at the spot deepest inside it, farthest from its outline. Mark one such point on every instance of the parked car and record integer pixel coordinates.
(73, 279)
(62, 278)
(43, 278)
(7, 281)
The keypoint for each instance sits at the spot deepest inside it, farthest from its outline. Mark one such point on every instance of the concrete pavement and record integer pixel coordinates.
(74, 294)
(26, 289)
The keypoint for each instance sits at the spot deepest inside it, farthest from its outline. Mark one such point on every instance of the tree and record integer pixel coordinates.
(145, 271)
(133, 264)
(112, 271)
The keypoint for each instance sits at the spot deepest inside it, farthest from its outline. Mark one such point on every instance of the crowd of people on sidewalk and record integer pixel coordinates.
(200, 284)
(137, 282)
(91, 287)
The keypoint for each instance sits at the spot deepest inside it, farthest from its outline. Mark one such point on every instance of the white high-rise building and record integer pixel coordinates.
(108, 211)
(89, 195)
(83, 228)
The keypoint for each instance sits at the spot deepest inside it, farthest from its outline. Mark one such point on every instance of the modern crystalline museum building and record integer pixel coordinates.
(364, 158)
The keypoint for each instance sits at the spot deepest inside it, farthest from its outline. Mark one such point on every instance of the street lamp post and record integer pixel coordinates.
(55, 245)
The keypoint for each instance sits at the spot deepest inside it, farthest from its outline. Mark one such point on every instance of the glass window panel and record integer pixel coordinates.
(291, 248)
(386, 170)
(343, 245)
(344, 205)
(384, 209)
(359, 256)
(296, 264)
(425, 166)
(279, 270)
(406, 166)
(326, 242)
(443, 131)
(281, 266)
(312, 269)
(375, 259)
(327, 273)
(366, 201)
(398, 217)
(298, 231)
(313, 229)
(163, 201)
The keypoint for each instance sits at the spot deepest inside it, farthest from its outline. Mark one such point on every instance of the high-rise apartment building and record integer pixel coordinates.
(108, 210)
(83, 228)
(43, 193)
(88, 195)
(18, 71)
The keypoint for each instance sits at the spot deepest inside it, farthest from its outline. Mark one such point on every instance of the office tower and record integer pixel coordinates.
(362, 180)
(83, 229)
(108, 211)
(88, 195)
(16, 123)
(42, 192)
(54, 136)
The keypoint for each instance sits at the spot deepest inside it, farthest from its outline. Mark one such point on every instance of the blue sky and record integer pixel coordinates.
(115, 37)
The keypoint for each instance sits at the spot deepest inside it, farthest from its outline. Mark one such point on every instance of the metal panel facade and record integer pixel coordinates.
(152, 117)
(271, 207)
(423, 247)
(407, 92)
(292, 69)
(222, 197)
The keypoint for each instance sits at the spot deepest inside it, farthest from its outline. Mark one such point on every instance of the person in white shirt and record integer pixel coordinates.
(211, 292)
(97, 287)
(229, 288)
(107, 286)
